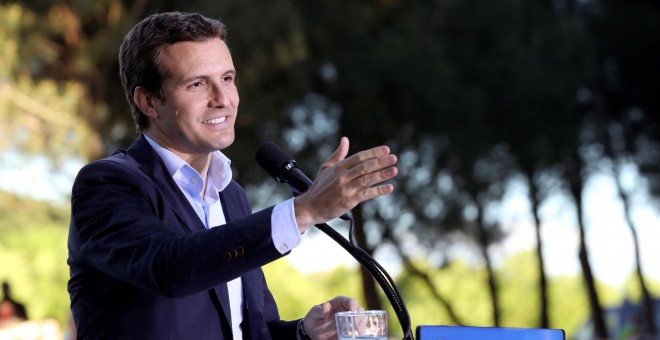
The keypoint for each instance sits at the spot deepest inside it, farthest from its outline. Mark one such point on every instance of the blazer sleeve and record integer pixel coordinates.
(124, 225)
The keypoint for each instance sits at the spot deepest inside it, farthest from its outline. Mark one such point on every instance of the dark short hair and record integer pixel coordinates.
(138, 54)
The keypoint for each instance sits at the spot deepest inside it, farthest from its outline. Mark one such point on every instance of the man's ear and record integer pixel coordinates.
(145, 102)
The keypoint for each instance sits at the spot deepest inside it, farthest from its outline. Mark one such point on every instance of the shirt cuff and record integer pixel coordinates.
(284, 230)
(301, 334)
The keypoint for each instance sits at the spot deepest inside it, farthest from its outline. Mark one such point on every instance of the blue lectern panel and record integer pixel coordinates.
(490, 333)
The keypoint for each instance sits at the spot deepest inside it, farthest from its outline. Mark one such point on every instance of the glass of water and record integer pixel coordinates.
(366, 324)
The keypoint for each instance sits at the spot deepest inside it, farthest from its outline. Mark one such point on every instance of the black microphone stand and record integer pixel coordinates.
(379, 274)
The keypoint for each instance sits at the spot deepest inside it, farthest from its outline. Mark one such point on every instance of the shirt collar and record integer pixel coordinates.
(219, 173)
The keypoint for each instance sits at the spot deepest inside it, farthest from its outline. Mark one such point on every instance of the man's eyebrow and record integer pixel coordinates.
(186, 80)
(205, 76)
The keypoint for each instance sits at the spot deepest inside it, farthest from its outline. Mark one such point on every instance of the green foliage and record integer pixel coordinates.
(33, 259)
(568, 309)
(296, 293)
(33, 236)
(464, 285)
(22, 212)
(632, 288)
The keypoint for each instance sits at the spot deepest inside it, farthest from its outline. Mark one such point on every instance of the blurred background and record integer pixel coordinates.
(527, 132)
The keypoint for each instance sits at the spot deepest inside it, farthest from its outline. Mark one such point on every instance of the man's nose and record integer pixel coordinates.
(219, 96)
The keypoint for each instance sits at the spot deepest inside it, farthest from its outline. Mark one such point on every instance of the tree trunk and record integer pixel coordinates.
(371, 297)
(492, 284)
(576, 186)
(600, 329)
(647, 301)
(544, 321)
(492, 287)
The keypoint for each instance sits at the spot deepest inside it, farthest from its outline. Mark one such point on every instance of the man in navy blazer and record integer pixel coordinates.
(163, 243)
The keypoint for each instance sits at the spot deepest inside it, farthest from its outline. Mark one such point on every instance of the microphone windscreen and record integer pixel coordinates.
(271, 158)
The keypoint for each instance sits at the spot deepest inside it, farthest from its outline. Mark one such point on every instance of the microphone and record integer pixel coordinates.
(279, 164)
(283, 168)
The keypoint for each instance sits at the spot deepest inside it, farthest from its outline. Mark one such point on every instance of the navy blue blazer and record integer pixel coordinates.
(143, 266)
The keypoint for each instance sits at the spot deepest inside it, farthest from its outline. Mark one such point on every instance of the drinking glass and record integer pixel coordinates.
(366, 324)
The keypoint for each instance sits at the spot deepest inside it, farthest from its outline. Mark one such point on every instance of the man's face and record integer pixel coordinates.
(201, 99)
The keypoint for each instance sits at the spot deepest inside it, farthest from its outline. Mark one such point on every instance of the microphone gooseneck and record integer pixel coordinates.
(283, 168)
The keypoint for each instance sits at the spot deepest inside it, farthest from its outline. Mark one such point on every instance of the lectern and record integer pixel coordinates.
(490, 333)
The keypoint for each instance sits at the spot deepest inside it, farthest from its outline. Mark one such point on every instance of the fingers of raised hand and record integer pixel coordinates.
(366, 155)
(374, 171)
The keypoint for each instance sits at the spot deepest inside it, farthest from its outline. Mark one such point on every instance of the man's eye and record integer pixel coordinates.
(199, 84)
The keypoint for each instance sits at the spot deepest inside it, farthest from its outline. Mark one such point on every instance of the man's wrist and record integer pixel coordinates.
(303, 220)
(302, 334)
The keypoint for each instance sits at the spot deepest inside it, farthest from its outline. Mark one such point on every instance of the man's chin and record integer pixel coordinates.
(225, 142)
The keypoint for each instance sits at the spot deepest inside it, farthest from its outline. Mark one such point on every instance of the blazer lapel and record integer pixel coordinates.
(151, 163)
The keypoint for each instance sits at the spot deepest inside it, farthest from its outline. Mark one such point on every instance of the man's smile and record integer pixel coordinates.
(215, 120)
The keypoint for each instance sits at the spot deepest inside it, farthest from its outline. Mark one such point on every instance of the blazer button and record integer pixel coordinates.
(226, 256)
(240, 251)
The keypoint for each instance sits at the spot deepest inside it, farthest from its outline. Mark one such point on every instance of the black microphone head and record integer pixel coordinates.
(274, 160)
